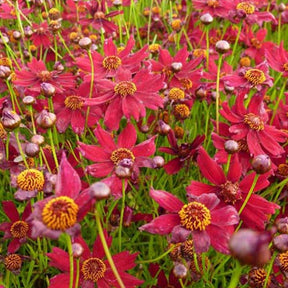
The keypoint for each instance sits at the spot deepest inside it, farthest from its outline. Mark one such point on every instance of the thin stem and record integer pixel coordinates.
(77, 272)
(236, 42)
(207, 47)
(228, 163)
(278, 102)
(235, 276)
(159, 257)
(106, 250)
(249, 193)
(30, 108)
(121, 216)
(217, 91)
(16, 133)
(53, 147)
(66, 47)
(45, 159)
(70, 252)
(279, 30)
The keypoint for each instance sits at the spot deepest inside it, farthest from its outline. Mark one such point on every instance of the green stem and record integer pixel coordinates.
(77, 272)
(207, 48)
(66, 47)
(159, 257)
(30, 108)
(121, 216)
(249, 193)
(279, 30)
(217, 91)
(234, 282)
(236, 42)
(16, 133)
(106, 250)
(53, 147)
(228, 163)
(45, 159)
(70, 252)
(278, 102)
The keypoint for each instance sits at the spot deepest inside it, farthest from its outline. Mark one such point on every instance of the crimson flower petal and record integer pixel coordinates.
(127, 137)
(197, 188)
(10, 210)
(201, 241)
(224, 216)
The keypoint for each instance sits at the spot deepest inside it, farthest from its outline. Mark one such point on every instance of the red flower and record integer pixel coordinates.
(250, 124)
(37, 73)
(213, 7)
(186, 152)
(232, 191)
(109, 156)
(94, 268)
(202, 218)
(7, 10)
(128, 96)
(41, 35)
(17, 229)
(61, 213)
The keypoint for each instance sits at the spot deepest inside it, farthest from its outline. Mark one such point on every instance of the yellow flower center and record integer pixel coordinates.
(229, 192)
(181, 111)
(283, 169)
(283, 259)
(199, 52)
(60, 213)
(111, 62)
(120, 154)
(13, 262)
(255, 76)
(5, 61)
(256, 43)
(73, 102)
(245, 62)
(212, 3)
(125, 88)
(254, 121)
(285, 67)
(3, 133)
(93, 269)
(247, 7)
(19, 229)
(186, 83)
(44, 75)
(194, 216)
(30, 180)
(99, 15)
(176, 94)
(154, 48)
(257, 278)
(176, 24)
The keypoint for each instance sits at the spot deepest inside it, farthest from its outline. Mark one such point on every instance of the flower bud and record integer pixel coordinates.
(206, 19)
(46, 119)
(282, 225)
(4, 39)
(47, 89)
(176, 66)
(77, 250)
(180, 271)
(16, 35)
(58, 66)
(231, 146)
(250, 247)
(261, 164)
(280, 242)
(38, 139)
(163, 128)
(10, 119)
(28, 32)
(85, 43)
(29, 100)
(5, 72)
(124, 168)
(99, 191)
(222, 46)
(127, 217)
(32, 149)
(281, 7)
(54, 14)
(201, 93)
(158, 161)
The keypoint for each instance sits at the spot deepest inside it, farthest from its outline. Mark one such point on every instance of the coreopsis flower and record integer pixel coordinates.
(250, 124)
(61, 212)
(7, 10)
(36, 74)
(70, 108)
(213, 7)
(185, 153)
(203, 219)
(277, 59)
(41, 35)
(100, 20)
(128, 96)
(248, 77)
(18, 229)
(108, 64)
(94, 267)
(110, 157)
(231, 190)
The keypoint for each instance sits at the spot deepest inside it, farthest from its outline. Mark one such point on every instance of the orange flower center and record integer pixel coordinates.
(283, 259)
(186, 83)
(120, 154)
(283, 169)
(99, 15)
(60, 213)
(93, 269)
(176, 94)
(285, 67)
(111, 62)
(199, 52)
(176, 24)
(44, 75)
(257, 278)
(212, 3)
(256, 43)
(19, 229)
(154, 48)
(229, 192)
(255, 76)
(125, 88)
(195, 216)
(13, 262)
(254, 121)
(30, 180)
(246, 7)
(181, 111)
(73, 102)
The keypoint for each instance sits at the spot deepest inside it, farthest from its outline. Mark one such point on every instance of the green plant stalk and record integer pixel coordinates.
(13, 97)
(228, 164)
(279, 30)
(234, 282)
(45, 159)
(157, 258)
(236, 42)
(207, 47)
(121, 216)
(77, 272)
(66, 47)
(278, 102)
(16, 133)
(106, 250)
(249, 193)
(149, 22)
(218, 92)
(70, 252)
(30, 108)
(53, 147)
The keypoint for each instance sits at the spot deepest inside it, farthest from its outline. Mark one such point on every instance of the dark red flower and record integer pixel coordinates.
(18, 229)
(213, 7)
(41, 35)
(233, 191)
(94, 268)
(203, 219)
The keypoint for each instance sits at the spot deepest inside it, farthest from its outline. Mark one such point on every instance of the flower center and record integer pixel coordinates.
(99, 15)
(255, 76)
(5, 61)
(283, 169)
(212, 3)
(176, 94)
(30, 180)
(111, 62)
(254, 121)
(120, 154)
(176, 24)
(93, 269)
(256, 43)
(257, 278)
(181, 111)
(243, 146)
(44, 75)
(246, 7)
(73, 102)
(60, 213)
(154, 48)
(19, 229)
(283, 259)
(230, 192)
(187, 249)
(194, 216)
(186, 83)
(125, 88)
(199, 52)
(285, 67)
(13, 262)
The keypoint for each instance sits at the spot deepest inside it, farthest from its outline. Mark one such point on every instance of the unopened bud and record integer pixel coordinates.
(77, 250)
(180, 271)
(99, 191)
(261, 164)
(46, 119)
(10, 119)
(47, 89)
(5, 72)
(85, 43)
(206, 19)
(29, 100)
(38, 139)
(280, 242)
(222, 46)
(158, 161)
(231, 146)
(176, 66)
